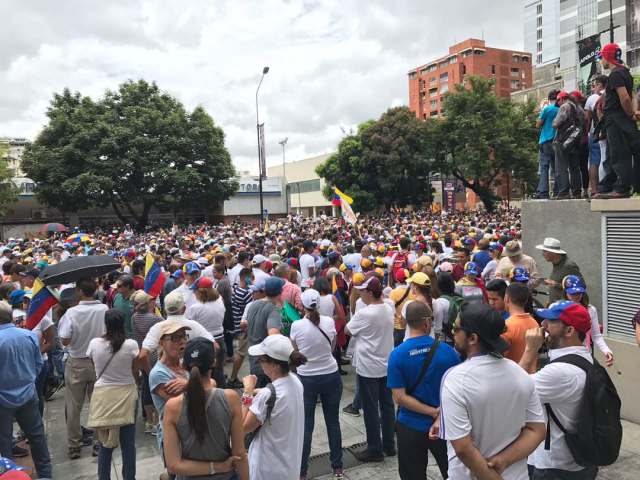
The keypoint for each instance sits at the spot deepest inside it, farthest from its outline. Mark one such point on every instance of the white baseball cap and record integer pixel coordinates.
(277, 347)
(258, 259)
(310, 298)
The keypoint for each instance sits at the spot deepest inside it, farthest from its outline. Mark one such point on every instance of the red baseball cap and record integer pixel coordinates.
(570, 313)
(612, 53)
(562, 95)
(202, 282)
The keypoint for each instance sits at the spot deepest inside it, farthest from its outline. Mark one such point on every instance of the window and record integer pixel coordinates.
(478, 52)
(444, 64)
(539, 47)
(525, 59)
(305, 186)
(434, 113)
(433, 92)
(453, 60)
(539, 21)
(464, 69)
(444, 88)
(515, 72)
(413, 75)
(539, 9)
(493, 69)
(515, 84)
(444, 77)
(432, 68)
(539, 34)
(433, 104)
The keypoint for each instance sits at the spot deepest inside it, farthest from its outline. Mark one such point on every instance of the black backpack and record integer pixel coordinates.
(596, 442)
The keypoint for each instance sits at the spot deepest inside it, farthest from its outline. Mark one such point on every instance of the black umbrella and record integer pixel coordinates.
(78, 267)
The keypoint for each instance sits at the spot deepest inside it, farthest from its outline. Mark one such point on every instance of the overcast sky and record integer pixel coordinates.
(334, 63)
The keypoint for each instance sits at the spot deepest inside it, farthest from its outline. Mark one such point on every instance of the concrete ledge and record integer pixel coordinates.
(620, 205)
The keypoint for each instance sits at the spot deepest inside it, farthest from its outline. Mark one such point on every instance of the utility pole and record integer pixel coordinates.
(284, 175)
(265, 70)
(611, 21)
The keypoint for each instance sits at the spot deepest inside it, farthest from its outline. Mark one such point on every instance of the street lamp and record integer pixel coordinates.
(265, 70)
(284, 175)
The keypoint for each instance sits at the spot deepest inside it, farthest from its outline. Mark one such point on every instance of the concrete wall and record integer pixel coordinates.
(577, 224)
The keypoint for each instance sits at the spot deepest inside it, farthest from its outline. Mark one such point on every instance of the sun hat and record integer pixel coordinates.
(310, 298)
(446, 267)
(570, 313)
(424, 260)
(191, 267)
(358, 278)
(401, 275)
(140, 297)
(552, 245)
(277, 347)
(258, 285)
(258, 259)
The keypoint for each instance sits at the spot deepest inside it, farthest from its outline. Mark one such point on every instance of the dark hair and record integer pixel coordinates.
(404, 243)
(113, 276)
(5, 290)
(205, 295)
(114, 322)
(601, 79)
(295, 360)
(497, 285)
(126, 281)
(244, 272)
(446, 284)
(17, 268)
(581, 336)
(87, 286)
(416, 313)
(518, 294)
(137, 267)
(436, 247)
(220, 268)
(243, 257)
(195, 396)
(7, 267)
(553, 95)
(321, 284)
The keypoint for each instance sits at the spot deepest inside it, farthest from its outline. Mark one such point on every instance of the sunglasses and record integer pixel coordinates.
(176, 337)
(457, 328)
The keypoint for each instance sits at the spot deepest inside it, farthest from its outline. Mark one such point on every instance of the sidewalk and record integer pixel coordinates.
(149, 465)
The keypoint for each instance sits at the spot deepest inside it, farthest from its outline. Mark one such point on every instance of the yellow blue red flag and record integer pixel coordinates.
(42, 299)
(153, 277)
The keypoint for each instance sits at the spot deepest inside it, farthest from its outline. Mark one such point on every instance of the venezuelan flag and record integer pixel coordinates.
(41, 301)
(339, 195)
(153, 277)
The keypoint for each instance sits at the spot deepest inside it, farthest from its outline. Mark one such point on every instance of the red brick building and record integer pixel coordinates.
(428, 83)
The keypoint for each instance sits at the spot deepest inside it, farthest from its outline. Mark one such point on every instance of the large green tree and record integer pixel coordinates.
(482, 138)
(8, 190)
(135, 149)
(383, 164)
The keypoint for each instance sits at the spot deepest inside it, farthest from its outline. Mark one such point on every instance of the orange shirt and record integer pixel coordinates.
(517, 326)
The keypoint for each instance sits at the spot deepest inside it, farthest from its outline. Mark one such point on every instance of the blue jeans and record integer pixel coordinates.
(128, 448)
(594, 151)
(30, 421)
(41, 383)
(329, 387)
(357, 402)
(376, 400)
(546, 162)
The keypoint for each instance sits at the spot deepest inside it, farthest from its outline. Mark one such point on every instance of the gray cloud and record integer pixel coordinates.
(333, 63)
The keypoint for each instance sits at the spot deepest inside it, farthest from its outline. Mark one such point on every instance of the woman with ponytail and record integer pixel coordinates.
(276, 413)
(114, 400)
(314, 336)
(203, 432)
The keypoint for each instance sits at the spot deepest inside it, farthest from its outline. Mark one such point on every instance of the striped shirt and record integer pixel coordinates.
(239, 300)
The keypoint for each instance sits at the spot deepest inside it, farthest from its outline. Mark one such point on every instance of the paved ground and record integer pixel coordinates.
(149, 465)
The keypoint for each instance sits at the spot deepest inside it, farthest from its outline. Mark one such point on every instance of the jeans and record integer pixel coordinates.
(329, 387)
(357, 401)
(398, 336)
(568, 175)
(377, 406)
(41, 383)
(55, 359)
(30, 421)
(128, 448)
(546, 162)
(623, 145)
(413, 447)
(589, 473)
(594, 151)
(218, 369)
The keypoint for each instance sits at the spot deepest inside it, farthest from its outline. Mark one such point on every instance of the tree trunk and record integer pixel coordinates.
(116, 209)
(144, 218)
(484, 193)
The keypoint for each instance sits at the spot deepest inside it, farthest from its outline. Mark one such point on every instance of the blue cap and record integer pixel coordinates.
(177, 274)
(191, 268)
(471, 268)
(520, 274)
(273, 286)
(573, 284)
(16, 297)
(495, 246)
(258, 285)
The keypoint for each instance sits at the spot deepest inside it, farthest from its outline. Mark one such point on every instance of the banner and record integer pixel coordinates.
(449, 189)
(347, 212)
(588, 49)
(261, 151)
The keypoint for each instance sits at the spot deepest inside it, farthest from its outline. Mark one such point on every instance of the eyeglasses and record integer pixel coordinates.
(457, 328)
(176, 337)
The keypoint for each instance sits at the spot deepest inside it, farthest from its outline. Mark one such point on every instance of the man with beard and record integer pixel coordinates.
(490, 412)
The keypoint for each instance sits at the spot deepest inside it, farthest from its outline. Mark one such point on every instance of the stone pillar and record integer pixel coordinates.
(314, 211)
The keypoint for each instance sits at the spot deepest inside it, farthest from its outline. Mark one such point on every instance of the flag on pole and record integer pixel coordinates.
(42, 299)
(347, 212)
(153, 277)
(338, 195)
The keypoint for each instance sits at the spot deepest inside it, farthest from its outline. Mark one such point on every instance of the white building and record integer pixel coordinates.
(246, 201)
(13, 156)
(541, 30)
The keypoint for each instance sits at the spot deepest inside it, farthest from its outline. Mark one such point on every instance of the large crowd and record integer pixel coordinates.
(436, 313)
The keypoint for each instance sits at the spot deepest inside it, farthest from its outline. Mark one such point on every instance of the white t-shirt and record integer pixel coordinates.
(81, 324)
(315, 346)
(45, 324)
(590, 105)
(326, 306)
(234, 273)
(306, 262)
(354, 260)
(119, 371)
(490, 399)
(260, 274)
(187, 295)
(276, 451)
(440, 313)
(210, 315)
(152, 340)
(372, 327)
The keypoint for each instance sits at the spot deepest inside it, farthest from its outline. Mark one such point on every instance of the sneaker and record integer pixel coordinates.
(349, 410)
(365, 456)
(235, 384)
(74, 453)
(19, 452)
(338, 474)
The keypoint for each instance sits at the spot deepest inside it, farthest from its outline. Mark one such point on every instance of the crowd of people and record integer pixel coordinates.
(435, 313)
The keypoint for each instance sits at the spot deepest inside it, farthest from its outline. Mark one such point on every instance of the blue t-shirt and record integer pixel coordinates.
(547, 115)
(405, 364)
(482, 257)
(159, 375)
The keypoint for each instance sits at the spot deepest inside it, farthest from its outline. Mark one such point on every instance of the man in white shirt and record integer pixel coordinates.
(372, 327)
(595, 153)
(243, 262)
(78, 326)
(259, 264)
(561, 386)
(490, 413)
(307, 265)
(191, 274)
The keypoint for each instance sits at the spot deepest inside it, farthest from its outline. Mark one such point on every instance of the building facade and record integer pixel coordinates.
(304, 186)
(428, 83)
(13, 156)
(541, 31)
(245, 203)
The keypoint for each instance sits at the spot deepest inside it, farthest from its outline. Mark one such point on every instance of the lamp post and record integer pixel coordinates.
(284, 175)
(611, 27)
(265, 70)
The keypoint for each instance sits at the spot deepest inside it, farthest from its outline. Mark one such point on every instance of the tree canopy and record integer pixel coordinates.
(482, 137)
(8, 190)
(134, 149)
(383, 164)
